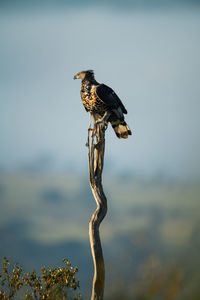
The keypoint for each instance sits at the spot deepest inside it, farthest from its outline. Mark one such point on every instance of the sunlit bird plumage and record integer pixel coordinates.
(102, 100)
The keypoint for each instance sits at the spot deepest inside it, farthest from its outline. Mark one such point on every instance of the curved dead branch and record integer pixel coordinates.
(96, 148)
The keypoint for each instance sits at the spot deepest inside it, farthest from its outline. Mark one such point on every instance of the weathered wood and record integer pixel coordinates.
(96, 147)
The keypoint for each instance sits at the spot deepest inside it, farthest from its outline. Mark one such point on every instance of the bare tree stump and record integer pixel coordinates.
(96, 161)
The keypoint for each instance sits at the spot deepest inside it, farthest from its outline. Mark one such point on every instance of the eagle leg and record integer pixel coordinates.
(104, 119)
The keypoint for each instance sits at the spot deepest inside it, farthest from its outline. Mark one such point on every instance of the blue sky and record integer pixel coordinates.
(149, 57)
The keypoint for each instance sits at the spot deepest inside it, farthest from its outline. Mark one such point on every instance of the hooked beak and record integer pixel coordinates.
(76, 77)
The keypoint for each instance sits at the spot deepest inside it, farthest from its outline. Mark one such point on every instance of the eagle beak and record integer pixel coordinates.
(76, 76)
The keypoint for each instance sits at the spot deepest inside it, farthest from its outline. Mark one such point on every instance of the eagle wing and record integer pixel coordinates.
(109, 97)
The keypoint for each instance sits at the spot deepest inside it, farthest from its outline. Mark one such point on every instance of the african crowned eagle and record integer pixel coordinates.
(101, 100)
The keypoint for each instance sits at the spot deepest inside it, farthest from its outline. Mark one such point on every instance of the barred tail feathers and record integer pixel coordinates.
(121, 129)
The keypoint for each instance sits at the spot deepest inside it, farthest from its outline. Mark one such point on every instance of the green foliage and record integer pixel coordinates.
(53, 284)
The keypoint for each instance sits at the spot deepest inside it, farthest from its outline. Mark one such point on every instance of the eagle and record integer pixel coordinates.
(100, 100)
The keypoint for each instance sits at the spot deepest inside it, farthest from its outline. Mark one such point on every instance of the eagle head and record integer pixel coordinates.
(89, 74)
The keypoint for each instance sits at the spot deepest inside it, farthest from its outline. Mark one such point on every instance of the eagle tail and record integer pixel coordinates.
(121, 129)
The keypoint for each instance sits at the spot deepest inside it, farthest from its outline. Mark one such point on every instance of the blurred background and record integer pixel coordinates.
(148, 51)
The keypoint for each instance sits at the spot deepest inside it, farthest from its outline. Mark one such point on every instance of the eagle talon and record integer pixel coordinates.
(98, 121)
(101, 123)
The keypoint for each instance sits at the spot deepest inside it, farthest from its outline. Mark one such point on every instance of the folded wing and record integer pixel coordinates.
(109, 97)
